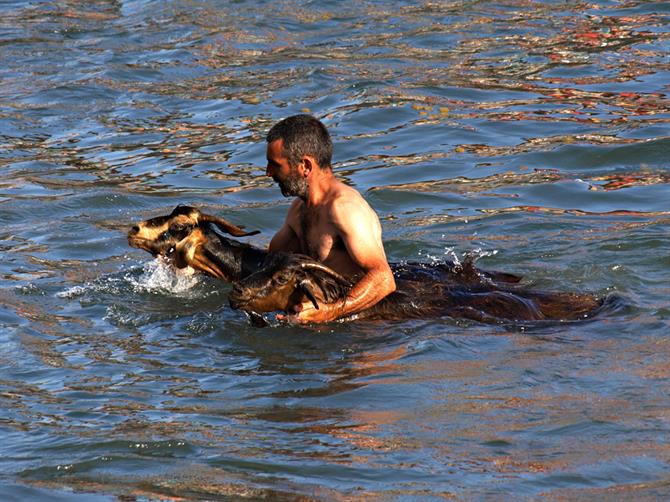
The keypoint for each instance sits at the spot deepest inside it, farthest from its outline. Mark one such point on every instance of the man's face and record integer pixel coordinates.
(290, 180)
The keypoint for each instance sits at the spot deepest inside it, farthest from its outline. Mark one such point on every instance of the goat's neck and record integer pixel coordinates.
(234, 259)
(251, 259)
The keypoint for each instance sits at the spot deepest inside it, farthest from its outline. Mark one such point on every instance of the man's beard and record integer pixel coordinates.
(293, 185)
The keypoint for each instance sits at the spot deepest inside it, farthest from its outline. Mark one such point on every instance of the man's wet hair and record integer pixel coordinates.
(303, 135)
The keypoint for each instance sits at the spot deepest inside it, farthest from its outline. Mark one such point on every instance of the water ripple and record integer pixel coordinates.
(533, 134)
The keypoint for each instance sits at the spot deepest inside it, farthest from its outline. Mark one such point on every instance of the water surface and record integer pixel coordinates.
(534, 133)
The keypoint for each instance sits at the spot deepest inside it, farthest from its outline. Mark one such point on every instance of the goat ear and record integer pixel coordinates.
(323, 268)
(183, 209)
(226, 226)
(306, 287)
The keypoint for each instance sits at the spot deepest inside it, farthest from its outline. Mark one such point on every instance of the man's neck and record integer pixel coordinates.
(320, 185)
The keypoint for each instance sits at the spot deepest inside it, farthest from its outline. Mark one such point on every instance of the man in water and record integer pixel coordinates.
(328, 220)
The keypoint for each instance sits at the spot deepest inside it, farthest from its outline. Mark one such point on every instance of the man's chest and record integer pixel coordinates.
(318, 236)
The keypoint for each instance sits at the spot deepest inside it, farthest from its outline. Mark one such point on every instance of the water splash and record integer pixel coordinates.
(459, 260)
(159, 276)
(73, 292)
(434, 259)
(478, 253)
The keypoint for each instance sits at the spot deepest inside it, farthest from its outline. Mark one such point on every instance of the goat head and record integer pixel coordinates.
(284, 282)
(161, 234)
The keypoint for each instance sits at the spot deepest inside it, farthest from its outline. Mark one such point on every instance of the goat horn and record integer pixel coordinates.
(306, 288)
(323, 268)
(226, 226)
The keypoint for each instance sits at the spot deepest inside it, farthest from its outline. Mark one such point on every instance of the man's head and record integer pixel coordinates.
(296, 145)
(303, 135)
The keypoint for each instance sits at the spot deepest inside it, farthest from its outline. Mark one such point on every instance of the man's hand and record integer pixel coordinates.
(306, 313)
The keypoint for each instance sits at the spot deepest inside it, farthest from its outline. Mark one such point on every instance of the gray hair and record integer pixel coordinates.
(303, 135)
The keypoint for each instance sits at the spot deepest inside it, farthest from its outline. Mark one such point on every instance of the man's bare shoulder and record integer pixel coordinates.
(348, 205)
(344, 195)
(294, 211)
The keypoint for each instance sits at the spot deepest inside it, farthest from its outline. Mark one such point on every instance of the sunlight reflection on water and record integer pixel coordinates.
(531, 135)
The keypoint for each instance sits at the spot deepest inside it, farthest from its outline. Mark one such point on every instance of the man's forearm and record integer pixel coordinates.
(367, 292)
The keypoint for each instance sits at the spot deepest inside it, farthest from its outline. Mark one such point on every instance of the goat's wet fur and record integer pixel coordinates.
(267, 282)
(288, 280)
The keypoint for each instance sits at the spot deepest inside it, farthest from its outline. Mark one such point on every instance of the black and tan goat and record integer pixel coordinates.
(189, 238)
(288, 280)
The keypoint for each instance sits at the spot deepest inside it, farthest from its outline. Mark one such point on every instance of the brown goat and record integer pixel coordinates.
(287, 280)
(189, 239)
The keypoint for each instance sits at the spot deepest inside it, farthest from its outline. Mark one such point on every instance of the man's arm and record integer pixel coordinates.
(360, 230)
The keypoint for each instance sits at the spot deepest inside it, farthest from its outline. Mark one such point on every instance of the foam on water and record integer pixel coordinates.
(72, 292)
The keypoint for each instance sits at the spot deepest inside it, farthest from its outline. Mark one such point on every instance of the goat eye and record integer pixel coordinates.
(282, 279)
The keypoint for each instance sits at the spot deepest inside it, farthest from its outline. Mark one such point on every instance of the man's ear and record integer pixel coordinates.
(308, 164)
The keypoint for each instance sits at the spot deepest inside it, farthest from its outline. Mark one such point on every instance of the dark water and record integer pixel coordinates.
(536, 132)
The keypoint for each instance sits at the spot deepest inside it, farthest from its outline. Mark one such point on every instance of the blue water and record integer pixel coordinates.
(533, 133)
